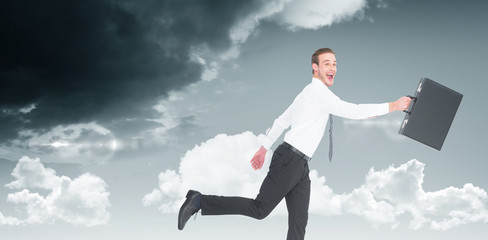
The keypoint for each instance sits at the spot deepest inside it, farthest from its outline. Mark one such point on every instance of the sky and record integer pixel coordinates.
(111, 110)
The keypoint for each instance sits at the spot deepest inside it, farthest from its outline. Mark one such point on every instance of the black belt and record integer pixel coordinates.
(293, 149)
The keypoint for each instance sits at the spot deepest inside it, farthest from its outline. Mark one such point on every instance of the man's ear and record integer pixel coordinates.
(315, 67)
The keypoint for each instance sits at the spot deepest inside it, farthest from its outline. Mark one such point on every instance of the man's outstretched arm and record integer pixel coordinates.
(257, 160)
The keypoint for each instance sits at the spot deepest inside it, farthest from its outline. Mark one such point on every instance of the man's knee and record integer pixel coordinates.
(262, 214)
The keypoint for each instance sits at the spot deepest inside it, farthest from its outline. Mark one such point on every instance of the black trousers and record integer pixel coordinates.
(287, 178)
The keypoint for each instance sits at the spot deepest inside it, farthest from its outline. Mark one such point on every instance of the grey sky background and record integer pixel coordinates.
(131, 87)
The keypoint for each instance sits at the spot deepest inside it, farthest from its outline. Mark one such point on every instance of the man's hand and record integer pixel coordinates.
(258, 160)
(400, 104)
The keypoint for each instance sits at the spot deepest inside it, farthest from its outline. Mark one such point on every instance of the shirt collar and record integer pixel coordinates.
(316, 80)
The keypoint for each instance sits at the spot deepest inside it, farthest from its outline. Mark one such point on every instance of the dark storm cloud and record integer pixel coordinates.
(96, 60)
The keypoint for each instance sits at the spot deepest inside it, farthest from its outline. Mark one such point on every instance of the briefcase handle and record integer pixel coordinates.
(414, 100)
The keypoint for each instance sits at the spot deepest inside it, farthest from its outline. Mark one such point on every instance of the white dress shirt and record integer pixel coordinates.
(309, 113)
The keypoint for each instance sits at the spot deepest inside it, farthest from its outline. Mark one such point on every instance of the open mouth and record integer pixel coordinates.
(330, 76)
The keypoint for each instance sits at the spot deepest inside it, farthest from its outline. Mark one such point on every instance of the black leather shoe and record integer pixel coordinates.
(188, 208)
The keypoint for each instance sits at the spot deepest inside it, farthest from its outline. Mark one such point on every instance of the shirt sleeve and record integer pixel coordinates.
(335, 106)
(280, 124)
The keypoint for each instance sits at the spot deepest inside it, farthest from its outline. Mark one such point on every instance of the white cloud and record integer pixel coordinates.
(79, 201)
(170, 118)
(240, 32)
(9, 220)
(200, 54)
(315, 14)
(460, 206)
(220, 166)
(28, 109)
(32, 174)
(16, 111)
(171, 114)
(174, 116)
(295, 15)
(389, 125)
(78, 143)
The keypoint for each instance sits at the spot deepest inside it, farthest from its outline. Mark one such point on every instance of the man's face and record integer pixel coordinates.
(326, 69)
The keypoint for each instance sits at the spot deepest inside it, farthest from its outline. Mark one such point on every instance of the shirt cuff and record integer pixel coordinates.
(266, 142)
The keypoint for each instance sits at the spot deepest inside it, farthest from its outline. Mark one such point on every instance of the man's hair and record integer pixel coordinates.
(315, 55)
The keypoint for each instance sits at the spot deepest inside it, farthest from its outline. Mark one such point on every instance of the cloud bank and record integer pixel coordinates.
(102, 60)
(224, 165)
(220, 166)
(80, 201)
(296, 15)
(109, 61)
